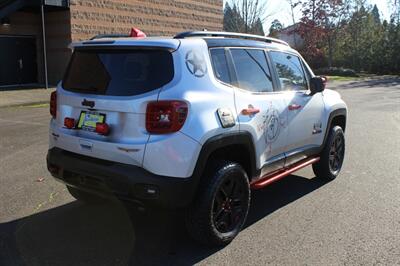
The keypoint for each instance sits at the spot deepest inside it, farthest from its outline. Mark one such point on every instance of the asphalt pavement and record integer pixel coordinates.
(300, 220)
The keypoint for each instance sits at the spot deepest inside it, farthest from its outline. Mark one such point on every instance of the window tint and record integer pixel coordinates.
(290, 71)
(220, 65)
(118, 72)
(252, 70)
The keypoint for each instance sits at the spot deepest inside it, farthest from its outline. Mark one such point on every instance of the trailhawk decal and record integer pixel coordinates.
(196, 64)
(272, 126)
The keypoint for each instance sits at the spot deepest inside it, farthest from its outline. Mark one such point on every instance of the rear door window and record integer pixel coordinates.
(290, 71)
(252, 70)
(220, 65)
(118, 72)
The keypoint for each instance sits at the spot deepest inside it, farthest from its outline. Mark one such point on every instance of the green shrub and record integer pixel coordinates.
(336, 71)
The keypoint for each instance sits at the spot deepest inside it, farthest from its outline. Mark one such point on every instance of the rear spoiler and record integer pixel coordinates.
(128, 43)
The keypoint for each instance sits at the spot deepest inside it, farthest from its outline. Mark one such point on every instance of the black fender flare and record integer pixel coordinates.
(221, 141)
(332, 115)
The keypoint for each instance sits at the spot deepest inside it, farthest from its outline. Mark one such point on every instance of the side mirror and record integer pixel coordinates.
(317, 84)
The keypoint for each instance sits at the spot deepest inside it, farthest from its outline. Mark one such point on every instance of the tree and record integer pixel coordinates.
(376, 15)
(320, 23)
(233, 22)
(293, 4)
(276, 26)
(394, 5)
(246, 16)
(257, 28)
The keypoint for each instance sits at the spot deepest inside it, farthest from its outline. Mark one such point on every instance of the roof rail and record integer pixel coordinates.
(189, 34)
(103, 36)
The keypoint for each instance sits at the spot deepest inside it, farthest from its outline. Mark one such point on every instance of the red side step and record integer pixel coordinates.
(270, 178)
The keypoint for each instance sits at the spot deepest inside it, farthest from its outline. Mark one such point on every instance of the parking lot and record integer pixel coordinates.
(300, 220)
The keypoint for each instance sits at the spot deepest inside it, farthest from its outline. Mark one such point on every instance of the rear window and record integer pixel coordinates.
(118, 72)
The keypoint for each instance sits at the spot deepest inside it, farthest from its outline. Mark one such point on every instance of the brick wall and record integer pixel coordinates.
(154, 17)
(87, 18)
(58, 35)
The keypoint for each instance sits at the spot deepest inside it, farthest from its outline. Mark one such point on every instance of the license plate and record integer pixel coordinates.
(88, 120)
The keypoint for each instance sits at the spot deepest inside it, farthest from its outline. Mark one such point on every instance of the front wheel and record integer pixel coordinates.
(220, 208)
(332, 155)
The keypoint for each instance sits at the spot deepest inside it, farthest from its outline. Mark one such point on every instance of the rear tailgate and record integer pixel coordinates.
(113, 86)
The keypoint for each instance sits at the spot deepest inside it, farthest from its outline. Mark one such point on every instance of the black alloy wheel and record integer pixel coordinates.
(229, 206)
(336, 154)
(220, 208)
(332, 155)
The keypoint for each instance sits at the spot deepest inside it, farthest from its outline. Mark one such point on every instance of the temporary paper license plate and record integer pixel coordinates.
(88, 120)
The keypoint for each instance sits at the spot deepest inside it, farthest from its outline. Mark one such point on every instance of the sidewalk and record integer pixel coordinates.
(24, 97)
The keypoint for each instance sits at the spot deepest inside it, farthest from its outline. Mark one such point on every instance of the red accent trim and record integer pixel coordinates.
(275, 176)
(294, 107)
(250, 111)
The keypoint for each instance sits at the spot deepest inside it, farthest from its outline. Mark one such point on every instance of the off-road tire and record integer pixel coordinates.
(325, 168)
(209, 206)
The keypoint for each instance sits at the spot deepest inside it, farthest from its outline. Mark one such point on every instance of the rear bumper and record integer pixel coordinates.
(124, 181)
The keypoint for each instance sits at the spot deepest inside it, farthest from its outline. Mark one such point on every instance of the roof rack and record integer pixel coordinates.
(189, 34)
(103, 36)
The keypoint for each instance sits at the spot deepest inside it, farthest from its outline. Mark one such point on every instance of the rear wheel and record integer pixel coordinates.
(220, 209)
(332, 156)
(84, 196)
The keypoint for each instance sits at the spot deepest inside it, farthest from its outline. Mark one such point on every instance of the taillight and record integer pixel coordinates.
(102, 129)
(53, 104)
(164, 117)
(69, 123)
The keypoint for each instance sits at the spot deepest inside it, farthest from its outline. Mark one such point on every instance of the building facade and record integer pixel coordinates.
(291, 36)
(21, 30)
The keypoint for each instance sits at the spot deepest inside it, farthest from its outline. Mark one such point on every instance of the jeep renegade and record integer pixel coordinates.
(196, 122)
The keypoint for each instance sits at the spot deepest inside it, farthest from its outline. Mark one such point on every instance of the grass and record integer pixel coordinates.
(340, 78)
(37, 105)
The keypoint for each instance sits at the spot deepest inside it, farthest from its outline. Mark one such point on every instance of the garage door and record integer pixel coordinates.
(18, 60)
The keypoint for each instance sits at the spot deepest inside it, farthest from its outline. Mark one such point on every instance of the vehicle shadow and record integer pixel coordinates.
(111, 234)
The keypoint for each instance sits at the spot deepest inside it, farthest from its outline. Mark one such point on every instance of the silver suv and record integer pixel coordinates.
(196, 122)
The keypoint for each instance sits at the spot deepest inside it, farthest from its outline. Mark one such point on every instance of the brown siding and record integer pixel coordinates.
(58, 34)
(154, 17)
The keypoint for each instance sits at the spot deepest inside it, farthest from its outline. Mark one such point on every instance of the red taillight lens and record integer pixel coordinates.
(69, 123)
(53, 104)
(102, 129)
(164, 117)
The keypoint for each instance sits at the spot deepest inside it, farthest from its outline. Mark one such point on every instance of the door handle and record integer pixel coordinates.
(294, 106)
(250, 111)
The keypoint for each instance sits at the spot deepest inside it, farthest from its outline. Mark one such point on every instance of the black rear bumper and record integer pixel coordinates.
(127, 182)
